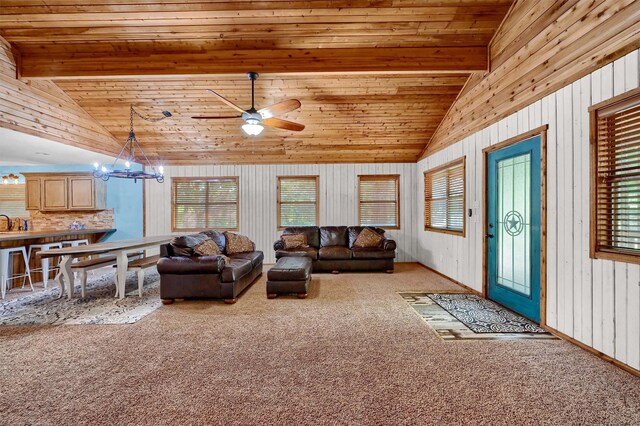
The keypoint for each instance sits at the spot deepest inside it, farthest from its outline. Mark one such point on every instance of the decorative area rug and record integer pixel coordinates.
(466, 313)
(98, 307)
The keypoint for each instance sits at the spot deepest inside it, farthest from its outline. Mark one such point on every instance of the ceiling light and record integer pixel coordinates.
(10, 178)
(252, 127)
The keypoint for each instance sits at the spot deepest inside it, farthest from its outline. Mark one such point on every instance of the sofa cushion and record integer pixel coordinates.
(184, 244)
(334, 252)
(237, 243)
(368, 239)
(294, 241)
(236, 269)
(182, 265)
(219, 238)
(313, 237)
(309, 252)
(372, 253)
(255, 257)
(333, 236)
(354, 231)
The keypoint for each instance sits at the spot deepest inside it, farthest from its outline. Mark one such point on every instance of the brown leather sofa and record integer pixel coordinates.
(331, 249)
(184, 275)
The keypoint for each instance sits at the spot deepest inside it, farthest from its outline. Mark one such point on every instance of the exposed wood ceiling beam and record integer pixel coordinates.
(309, 61)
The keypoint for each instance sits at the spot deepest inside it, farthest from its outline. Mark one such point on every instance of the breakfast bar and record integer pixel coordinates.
(28, 238)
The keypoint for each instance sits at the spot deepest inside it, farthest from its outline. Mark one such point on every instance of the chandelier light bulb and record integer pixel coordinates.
(161, 170)
(127, 165)
(96, 165)
(103, 169)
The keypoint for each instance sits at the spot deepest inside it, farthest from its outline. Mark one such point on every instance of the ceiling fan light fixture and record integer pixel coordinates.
(252, 127)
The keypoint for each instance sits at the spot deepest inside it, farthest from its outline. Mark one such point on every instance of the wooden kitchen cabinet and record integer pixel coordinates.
(54, 193)
(64, 192)
(32, 193)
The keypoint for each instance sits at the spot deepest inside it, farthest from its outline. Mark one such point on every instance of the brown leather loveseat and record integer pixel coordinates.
(184, 274)
(331, 248)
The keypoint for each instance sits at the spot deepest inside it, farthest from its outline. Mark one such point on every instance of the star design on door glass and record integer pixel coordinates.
(513, 223)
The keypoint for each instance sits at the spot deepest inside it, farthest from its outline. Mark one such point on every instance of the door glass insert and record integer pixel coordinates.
(514, 224)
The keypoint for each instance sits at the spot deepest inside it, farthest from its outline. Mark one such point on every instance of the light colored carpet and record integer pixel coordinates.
(353, 353)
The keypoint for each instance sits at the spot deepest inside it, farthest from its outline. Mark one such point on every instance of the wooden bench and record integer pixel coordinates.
(139, 265)
(83, 266)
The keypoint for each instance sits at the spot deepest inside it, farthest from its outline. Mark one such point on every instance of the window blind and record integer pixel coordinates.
(444, 198)
(12, 201)
(205, 204)
(617, 177)
(297, 201)
(379, 201)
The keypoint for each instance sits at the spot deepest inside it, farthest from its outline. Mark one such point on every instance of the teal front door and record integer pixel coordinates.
(513, 227)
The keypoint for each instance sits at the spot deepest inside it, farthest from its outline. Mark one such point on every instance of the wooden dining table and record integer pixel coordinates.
(118, 248)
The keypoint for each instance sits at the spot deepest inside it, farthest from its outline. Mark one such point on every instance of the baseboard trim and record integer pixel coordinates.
(466, 287)
(553, 331)
(593, 351)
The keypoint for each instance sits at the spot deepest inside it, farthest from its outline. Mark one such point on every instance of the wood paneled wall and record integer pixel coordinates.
(41, 108)
(596, 302)
(258, 199)
(540, 47)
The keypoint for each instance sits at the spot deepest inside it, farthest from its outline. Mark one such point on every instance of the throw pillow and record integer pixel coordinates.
(293, 241)
(238, 243)
(183, 245)
(368, 239)
(209, 248)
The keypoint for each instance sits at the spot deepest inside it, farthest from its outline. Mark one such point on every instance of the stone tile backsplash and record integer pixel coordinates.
(54, 221)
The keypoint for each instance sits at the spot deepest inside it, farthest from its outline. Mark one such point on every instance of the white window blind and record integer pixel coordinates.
(379, 201)
(297, 201)
(200, 203)
(444, 198)
(616, 170)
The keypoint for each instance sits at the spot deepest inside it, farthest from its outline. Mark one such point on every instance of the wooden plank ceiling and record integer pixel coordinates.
(375, 77)
(540, 48)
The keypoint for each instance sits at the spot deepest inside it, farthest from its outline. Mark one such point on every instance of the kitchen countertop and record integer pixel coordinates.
(30, 235)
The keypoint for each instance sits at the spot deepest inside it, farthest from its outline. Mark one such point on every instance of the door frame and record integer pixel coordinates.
(538, 131)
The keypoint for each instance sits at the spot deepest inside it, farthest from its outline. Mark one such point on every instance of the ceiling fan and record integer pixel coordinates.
(255, 120)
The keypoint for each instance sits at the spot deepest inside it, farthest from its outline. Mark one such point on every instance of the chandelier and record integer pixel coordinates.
(129, 154)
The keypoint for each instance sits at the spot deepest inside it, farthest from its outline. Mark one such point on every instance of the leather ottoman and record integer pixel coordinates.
(289, 275)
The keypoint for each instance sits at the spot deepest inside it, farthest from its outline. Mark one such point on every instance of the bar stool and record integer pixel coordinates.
(45, 262)
(75, 243)
(5, 257)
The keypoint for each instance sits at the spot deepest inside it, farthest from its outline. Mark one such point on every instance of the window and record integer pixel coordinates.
(615, 178)
(297, 201)
(444, 202)
(204, 203)
(379, 201)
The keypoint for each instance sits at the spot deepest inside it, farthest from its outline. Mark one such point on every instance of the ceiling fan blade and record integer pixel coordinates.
(283, 124)
(217, 118)
(279, 108)
(226, 101)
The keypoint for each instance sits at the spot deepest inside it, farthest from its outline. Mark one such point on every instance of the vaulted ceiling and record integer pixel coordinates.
(375, 77)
